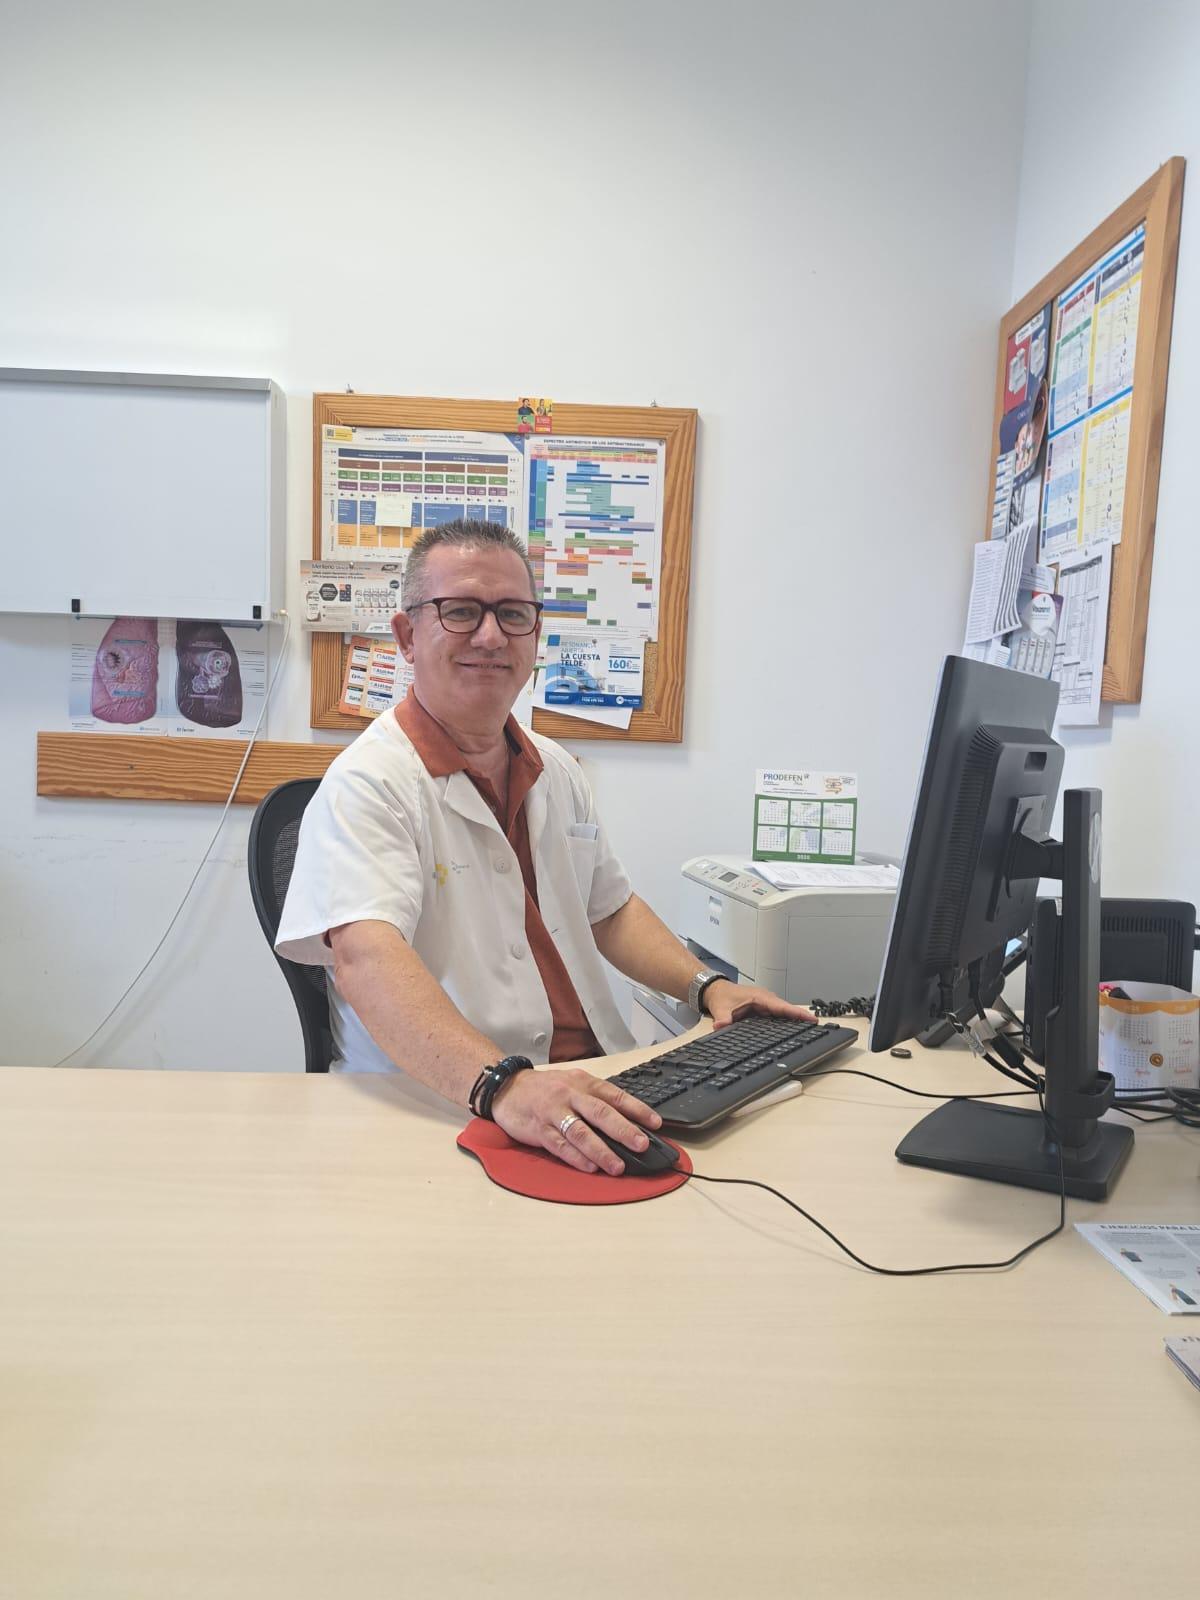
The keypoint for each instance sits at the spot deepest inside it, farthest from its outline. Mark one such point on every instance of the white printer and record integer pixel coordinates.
(800, 943)
(803, 944)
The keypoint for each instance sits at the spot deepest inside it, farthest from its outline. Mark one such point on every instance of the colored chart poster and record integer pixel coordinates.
(381, 487)
(595, 531)
(1091, 392)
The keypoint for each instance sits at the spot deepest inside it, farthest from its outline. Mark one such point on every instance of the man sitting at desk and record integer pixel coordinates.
(453, 874)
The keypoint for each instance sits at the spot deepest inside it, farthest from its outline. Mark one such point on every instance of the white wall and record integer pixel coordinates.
(1078, 165)
(796, 217)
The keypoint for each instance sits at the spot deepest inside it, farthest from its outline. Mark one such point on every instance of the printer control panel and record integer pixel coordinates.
(726, 877)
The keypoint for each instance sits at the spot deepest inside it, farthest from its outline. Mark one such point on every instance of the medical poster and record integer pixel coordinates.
(150, 675)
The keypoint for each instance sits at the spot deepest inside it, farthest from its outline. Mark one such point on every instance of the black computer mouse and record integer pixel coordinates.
(658, 1156)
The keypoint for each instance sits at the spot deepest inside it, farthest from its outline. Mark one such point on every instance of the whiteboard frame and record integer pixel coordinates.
(266, 576)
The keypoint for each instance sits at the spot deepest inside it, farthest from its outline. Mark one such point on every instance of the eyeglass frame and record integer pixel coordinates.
(485, 606)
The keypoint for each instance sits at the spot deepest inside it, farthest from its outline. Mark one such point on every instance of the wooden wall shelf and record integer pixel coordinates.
(140, 767)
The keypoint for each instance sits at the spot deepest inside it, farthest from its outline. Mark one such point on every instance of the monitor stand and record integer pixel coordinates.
(982, 1139)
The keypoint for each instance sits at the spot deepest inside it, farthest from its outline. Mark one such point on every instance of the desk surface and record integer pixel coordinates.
(276, 1336)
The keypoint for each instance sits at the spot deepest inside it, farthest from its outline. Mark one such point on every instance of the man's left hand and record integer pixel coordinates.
(725, 1002)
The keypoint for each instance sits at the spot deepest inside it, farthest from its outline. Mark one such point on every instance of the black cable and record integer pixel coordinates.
(921, 1272)
(1014, 1069)
(1184, 1108)
(1176, 1105)
(907, 1272)
(858, 1005)
(923, 1094)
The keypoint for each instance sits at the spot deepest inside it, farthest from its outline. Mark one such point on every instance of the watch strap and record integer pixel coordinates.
(700, 982)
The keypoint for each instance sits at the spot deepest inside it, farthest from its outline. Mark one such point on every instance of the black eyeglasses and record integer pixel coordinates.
(457, 614)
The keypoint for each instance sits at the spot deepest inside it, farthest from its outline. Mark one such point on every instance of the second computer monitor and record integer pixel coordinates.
(991, 771)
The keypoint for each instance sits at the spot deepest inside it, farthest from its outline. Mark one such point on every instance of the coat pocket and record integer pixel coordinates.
(583, 861)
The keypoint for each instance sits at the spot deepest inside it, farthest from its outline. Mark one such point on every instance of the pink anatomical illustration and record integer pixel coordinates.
(125, 674)
(208, 687)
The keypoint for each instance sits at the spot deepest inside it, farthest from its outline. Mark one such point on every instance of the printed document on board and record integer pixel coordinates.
(999, 564)
(1083, 585)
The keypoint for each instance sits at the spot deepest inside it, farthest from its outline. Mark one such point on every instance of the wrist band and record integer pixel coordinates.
(490, 1080)
(703, 989)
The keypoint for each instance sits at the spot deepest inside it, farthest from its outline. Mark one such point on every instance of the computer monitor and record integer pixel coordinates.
(978, 845)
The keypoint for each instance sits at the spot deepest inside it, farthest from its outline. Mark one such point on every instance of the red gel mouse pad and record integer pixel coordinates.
(541, 1176)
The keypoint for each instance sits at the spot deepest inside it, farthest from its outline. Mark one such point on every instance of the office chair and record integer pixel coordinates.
(270, 856)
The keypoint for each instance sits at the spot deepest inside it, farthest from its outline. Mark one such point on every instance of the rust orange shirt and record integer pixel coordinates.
(572, 1038)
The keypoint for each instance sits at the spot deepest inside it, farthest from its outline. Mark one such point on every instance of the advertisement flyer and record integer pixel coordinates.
(591, 669)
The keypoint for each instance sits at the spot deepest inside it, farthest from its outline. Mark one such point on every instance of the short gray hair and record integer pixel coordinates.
(465, 533)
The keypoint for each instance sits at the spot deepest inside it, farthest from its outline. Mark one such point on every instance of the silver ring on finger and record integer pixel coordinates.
(565, 1125)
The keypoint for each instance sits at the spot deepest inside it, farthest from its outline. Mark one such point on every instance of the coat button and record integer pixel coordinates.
(500, 864)
(539, 1040)
(517, 950)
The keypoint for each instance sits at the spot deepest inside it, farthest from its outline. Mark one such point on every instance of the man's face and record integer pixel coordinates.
(468, 679)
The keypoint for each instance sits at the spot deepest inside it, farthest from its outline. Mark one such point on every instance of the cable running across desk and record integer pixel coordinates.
(1035, 1086)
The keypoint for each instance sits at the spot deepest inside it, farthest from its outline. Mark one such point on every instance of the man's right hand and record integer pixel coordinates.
(532, 1106)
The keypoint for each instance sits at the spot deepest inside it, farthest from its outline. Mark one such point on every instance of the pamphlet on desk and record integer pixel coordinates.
(1161, 1259)
(1185, 1353)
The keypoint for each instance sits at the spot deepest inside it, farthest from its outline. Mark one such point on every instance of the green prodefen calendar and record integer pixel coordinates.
(805, 816)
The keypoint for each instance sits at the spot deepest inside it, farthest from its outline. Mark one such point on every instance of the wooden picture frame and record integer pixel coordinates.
(661, 719)
(1157, 204)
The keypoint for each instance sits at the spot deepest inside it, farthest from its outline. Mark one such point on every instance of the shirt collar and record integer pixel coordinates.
(439, 754)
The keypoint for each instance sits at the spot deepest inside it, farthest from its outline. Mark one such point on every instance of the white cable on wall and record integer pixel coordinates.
(287, 628)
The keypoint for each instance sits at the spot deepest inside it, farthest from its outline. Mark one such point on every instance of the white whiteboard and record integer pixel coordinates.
(135, 494)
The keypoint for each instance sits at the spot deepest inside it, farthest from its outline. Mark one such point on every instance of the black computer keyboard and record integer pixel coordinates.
(701, 1082)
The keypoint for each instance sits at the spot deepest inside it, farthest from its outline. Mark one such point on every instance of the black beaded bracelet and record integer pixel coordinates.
(490, 1080)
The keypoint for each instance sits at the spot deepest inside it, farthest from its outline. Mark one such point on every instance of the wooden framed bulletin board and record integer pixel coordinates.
(1141, 240)
(661, 716)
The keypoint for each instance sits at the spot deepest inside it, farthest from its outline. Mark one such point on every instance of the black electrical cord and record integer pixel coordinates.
(1184, 1108)
(923, 1094)
(858, 1005)
(922, 1272)
(1174, 1105)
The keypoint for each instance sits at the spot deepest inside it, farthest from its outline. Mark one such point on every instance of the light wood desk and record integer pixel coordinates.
(269, 1336)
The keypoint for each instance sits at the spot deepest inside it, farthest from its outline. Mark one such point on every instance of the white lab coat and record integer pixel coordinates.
(382, 840)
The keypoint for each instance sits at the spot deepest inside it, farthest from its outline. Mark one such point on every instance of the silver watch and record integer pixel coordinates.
(700, 982)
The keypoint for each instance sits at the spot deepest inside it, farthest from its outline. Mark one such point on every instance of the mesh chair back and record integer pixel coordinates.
(270, 857)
